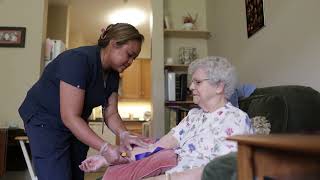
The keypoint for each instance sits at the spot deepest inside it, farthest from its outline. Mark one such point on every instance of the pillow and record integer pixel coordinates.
(272, 107)
(261, 125)
(153, 165)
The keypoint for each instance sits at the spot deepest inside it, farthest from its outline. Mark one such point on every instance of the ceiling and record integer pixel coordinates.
(87, 17)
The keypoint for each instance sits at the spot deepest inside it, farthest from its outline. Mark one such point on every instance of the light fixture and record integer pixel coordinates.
(132, 16)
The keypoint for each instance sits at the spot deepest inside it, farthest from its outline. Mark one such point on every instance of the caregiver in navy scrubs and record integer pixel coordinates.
(56, 109)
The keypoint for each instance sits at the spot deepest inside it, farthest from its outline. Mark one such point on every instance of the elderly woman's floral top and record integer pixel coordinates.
(202, 135)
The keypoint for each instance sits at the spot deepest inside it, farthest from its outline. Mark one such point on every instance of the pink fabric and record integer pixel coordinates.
(153, 165)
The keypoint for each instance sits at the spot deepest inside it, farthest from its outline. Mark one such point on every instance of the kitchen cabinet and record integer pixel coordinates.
(135, 80)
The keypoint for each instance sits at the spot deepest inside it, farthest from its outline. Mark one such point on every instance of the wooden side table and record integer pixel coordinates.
(3, 150)
(278, 156)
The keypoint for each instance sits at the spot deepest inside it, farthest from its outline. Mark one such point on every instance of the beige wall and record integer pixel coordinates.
(58, 22)
(157, 70)
(285, 51)
(20, 67)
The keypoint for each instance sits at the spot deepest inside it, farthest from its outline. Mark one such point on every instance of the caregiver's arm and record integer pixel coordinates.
(168, 141)
(115, 123)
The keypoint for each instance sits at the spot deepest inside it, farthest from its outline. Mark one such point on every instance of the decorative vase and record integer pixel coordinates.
(187, 26)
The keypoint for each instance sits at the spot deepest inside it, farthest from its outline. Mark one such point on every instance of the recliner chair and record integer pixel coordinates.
(289, 109)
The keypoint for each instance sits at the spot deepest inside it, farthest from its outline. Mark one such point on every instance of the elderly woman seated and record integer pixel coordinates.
(201, 135)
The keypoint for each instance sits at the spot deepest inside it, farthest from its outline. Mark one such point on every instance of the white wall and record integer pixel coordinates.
(286, 51)
(20, 67)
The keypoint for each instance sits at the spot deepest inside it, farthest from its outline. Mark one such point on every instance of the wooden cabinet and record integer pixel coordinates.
(145, 78)
(3, 150)
(135, 80)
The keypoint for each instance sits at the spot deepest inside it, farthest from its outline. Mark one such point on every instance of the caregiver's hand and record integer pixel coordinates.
(112, 154)
(128, 139)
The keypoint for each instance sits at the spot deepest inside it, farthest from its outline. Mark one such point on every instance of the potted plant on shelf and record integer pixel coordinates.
(189, 21)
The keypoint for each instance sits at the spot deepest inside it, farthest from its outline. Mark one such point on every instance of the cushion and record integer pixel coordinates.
(272, 107)
(153, 165)
(261, 125)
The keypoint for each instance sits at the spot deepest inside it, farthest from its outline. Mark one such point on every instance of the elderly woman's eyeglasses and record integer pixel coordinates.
(197, 82)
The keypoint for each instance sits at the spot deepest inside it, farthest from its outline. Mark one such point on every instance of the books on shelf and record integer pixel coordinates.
(176, 86)
(171, 86)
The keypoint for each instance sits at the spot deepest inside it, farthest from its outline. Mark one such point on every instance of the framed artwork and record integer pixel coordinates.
(255, 17)
(12, 36)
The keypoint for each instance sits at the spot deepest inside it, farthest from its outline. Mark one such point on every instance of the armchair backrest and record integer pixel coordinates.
(290, 109)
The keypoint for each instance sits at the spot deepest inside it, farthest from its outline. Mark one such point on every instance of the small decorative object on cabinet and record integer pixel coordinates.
(189, 21)
(187, 55)
(166, 22)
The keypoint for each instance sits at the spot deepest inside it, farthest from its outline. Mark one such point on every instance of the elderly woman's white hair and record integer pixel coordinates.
(218, 69)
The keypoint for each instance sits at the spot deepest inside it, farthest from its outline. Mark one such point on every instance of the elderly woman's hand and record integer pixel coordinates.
(113, 154)
(93, 163)
(128, 139)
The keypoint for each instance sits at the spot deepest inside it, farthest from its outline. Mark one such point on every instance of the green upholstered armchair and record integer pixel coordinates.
(289, 109)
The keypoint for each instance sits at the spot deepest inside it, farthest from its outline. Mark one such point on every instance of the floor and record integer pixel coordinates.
(24, 175)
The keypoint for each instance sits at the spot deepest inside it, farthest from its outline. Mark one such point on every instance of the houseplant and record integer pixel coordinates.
(189, 21)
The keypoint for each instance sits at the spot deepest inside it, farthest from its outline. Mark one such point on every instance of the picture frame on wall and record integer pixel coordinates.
(12, 37)
(254, 16)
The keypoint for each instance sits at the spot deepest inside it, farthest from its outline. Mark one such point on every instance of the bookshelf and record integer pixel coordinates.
(176, 38)
(176, 67)
(182, 104)
(177, 102)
